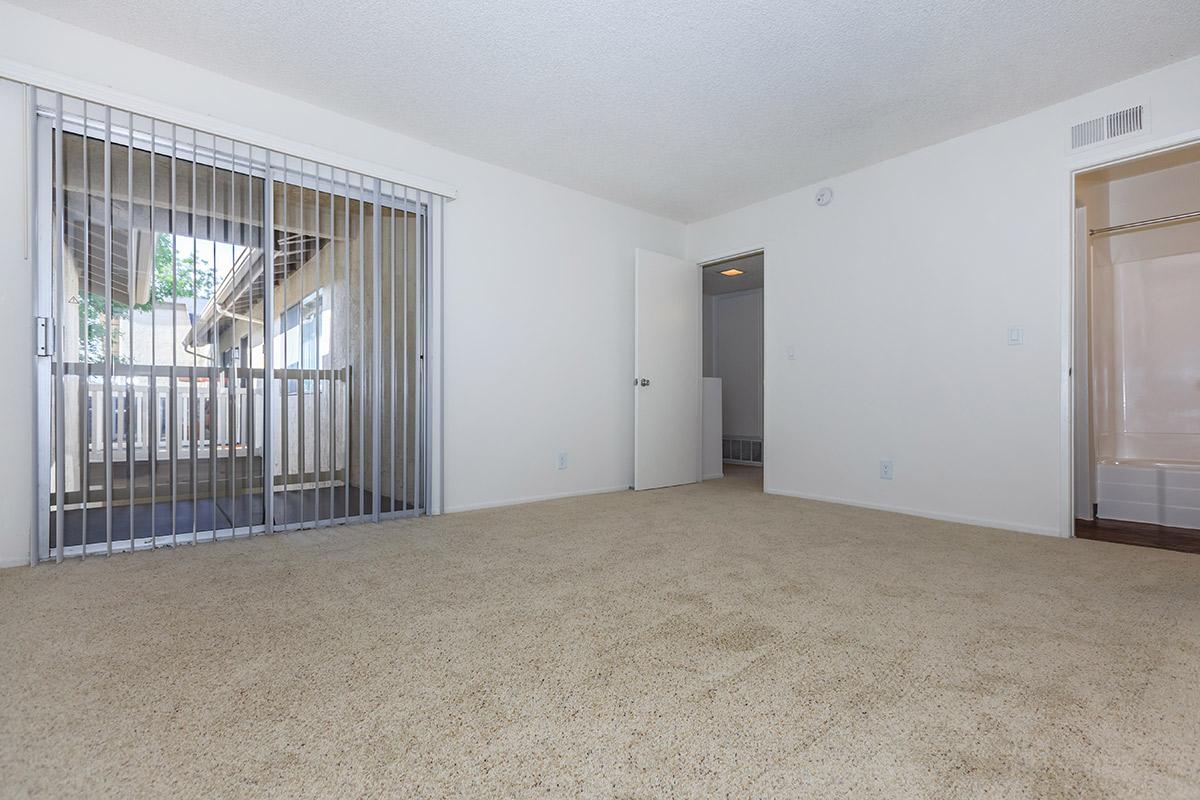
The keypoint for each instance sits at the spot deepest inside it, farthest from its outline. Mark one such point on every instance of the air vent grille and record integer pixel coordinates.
(1086, 133)
(1109, 126)
(1123, 122)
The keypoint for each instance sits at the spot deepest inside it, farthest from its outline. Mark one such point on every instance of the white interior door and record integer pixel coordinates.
(667, 396)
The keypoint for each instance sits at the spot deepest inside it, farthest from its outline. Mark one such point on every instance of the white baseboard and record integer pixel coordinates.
(713, 476)
(520, 501)
(5, 563)
(981, 522)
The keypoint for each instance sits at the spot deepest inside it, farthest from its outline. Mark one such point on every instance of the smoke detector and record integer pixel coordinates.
(824, 196)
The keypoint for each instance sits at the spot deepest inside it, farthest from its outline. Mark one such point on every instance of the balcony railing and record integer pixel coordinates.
(162, 411)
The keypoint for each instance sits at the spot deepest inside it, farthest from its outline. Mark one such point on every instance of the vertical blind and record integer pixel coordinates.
(235, 337)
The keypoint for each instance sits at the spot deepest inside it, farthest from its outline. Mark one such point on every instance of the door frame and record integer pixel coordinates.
(1086, 162)
(429, 271)
(712, 261)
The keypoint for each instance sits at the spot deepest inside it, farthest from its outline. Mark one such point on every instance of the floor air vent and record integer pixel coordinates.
(1109, 126)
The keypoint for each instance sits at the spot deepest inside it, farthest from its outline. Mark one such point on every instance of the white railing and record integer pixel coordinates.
(218, 419)
(144, 425)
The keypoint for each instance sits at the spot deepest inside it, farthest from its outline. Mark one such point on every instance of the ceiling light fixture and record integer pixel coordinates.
(731, 272)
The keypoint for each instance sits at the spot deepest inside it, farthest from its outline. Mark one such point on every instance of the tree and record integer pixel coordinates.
(170, 284)
(173, 280)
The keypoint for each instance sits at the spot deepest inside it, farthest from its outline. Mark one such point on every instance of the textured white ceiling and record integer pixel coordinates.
(684, 108)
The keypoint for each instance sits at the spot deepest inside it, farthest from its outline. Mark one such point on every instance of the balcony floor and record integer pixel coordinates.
(149, 519)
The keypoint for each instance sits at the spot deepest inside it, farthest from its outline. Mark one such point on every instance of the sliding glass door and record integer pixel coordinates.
(233, 338)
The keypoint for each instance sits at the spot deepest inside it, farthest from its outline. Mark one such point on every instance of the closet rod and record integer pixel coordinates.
(1145, 223)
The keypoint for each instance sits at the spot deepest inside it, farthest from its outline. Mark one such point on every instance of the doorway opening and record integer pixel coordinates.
(1137, 351)
(732, 353)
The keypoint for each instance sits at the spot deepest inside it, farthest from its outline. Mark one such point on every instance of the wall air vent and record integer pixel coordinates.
(1108, 126)
(1087, 133)
(1123, 122)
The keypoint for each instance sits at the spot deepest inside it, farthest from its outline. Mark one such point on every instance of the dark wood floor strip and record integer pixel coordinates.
(1185, 540)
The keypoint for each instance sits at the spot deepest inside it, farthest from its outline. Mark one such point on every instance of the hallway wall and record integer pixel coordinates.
(736, 344)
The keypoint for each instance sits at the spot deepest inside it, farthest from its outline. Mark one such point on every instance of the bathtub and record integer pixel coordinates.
(1143, 490)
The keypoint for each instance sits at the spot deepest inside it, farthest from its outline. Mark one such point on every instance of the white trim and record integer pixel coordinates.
(979, 522)
(714, 476)
(48, 79)
(753, 251)
(435, 351)
(700, 368)
(762, 371)
(1083, 163)
(41, 265)
(37, 167)
(541, 498)
(1066, 393)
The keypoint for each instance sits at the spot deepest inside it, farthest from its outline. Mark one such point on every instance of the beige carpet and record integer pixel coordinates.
(695, 642)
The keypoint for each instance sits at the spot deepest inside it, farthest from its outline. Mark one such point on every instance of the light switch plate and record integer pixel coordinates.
(1016, 335)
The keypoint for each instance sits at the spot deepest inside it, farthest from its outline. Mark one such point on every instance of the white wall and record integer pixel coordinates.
(16, 332)
(710, 424)
(707, 303)
(737, 360)
(898, 296)
(538, 280)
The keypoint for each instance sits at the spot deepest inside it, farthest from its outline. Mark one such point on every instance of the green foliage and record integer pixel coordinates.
(174, 278)
(173, 281)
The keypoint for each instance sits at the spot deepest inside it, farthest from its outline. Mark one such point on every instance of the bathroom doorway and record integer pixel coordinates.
(1137, 351)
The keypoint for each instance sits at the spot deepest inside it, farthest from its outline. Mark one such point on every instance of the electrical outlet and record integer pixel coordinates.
(562, 460)
(885, 470)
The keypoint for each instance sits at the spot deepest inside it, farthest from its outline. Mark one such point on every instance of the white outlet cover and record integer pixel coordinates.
(886, 471)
